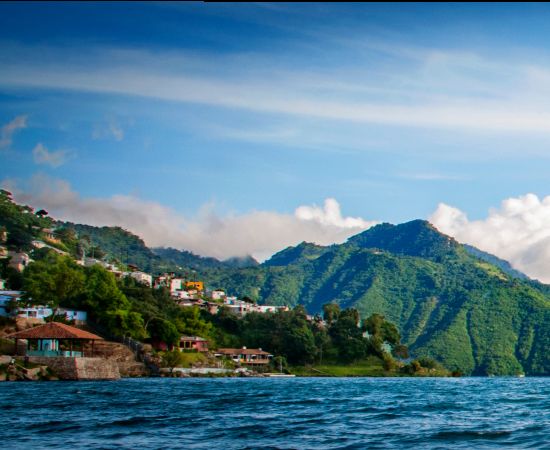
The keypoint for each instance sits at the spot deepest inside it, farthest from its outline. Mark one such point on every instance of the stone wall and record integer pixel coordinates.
(80, 368)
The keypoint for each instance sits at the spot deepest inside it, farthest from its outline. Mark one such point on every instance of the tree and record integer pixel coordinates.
(164, 331)
(190, 322)
(331, 312)
(53, 281)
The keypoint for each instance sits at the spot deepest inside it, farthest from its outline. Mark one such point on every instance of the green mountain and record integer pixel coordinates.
(449, 304)
(503, 265)
(126, 247)
(185, 258)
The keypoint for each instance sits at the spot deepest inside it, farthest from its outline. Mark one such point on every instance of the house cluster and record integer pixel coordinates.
(254, 357)
(10, 302)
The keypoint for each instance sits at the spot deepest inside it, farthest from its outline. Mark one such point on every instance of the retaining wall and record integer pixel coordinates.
(80, 368)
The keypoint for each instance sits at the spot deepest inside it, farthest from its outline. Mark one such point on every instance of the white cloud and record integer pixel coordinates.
(8, 130)
(110, 129)
(518, 231)
(44, 156)
(259, 233)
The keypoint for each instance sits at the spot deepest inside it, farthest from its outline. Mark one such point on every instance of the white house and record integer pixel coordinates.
(217, 295)
(42, 312)
(176, 284)
(142, 277)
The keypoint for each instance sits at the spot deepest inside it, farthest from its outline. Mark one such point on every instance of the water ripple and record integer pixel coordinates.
(288, 414)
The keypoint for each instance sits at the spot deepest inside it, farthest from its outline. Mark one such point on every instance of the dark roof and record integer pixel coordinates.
(241, 351)
(54, 330)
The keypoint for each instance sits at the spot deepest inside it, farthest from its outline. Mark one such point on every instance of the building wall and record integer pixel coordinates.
(80, 368)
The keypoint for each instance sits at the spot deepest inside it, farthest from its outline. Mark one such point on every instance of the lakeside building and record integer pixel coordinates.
(193, 343)
(245, 356)
(55, 339)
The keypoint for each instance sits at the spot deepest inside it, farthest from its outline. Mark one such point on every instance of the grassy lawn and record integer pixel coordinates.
(370, 367)
(188, 359)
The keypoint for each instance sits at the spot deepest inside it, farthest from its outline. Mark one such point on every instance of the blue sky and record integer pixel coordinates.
(218, 113)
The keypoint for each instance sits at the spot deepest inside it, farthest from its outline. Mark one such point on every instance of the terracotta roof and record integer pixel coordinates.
(241, 351)
(54, 330)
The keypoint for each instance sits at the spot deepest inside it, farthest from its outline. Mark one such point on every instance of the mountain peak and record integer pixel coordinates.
(304, 250)
(414, 238)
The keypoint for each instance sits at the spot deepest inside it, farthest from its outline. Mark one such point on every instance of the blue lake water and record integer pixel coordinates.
(300, 413)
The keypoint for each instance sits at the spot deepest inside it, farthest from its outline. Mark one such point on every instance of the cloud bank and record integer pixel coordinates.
(258, 233)
(518, 232)
(8, 130)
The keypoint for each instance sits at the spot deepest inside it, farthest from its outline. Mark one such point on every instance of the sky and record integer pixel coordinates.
(232, 129)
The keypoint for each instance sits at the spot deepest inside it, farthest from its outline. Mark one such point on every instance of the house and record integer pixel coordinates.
(42, 312)
(268, 308)
(55, 339)
(19, 260)
(176, 284)
(142, 277)
(5, 298)
(245, 356)
(198, 285)
(217, 295)
(49, 234)
(193, 343)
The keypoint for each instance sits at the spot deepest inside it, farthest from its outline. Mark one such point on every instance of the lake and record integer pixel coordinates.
(298, 413)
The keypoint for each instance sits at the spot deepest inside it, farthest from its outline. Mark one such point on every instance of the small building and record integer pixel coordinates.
(217, 295)
(43, 312)
(49, 234)
(7, 297)
(245, 356)
(198, 285)
(176, 284)
(142, 277)
(193, 343)
(19, 260)
(55, 339)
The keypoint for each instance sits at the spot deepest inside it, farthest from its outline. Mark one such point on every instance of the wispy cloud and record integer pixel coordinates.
(8, 130)
(431, 176)
(111, 129)
(258, 233)
(449, 90)
(42, 155)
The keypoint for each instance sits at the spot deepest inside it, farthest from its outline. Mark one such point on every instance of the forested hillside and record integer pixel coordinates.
(448, 304)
